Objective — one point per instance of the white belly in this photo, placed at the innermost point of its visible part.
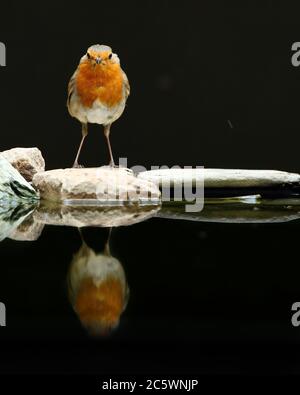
(102, 114)
(98, 113)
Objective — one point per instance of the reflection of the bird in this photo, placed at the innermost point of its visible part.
(97, 284)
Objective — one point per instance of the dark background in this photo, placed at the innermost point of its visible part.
(192, 67)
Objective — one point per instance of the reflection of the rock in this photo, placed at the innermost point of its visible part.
(107, 216)
(97, 284)
(26, 222)
(12, 217)
(237, 210)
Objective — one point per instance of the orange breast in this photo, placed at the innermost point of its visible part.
(102, 304)
(103, 82)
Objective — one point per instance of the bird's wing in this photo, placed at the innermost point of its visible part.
(126, 85)
(71, 89)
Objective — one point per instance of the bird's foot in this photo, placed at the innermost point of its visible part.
(76, 165)
(113, 165)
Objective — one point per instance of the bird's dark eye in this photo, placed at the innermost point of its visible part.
(88, 55)
(110, 56)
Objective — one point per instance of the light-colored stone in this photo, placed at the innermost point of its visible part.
(14, 189)
(105, 216)
(220, 178)
(94, 185)
(28, 161)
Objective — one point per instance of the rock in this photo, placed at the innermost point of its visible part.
(226, 182)
(105, 216)
(221, 178)
(95, 186)
(14, 189)
(28, 161)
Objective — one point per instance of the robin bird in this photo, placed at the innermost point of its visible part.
(97, 92)
(97, 284)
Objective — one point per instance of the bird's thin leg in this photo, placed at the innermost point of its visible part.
(106, 134)
(107, 246)
(84, 132)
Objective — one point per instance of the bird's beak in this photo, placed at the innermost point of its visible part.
(98, 60)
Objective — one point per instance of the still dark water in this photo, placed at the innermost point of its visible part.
(204, 298)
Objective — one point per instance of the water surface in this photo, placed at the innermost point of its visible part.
(203, 293)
